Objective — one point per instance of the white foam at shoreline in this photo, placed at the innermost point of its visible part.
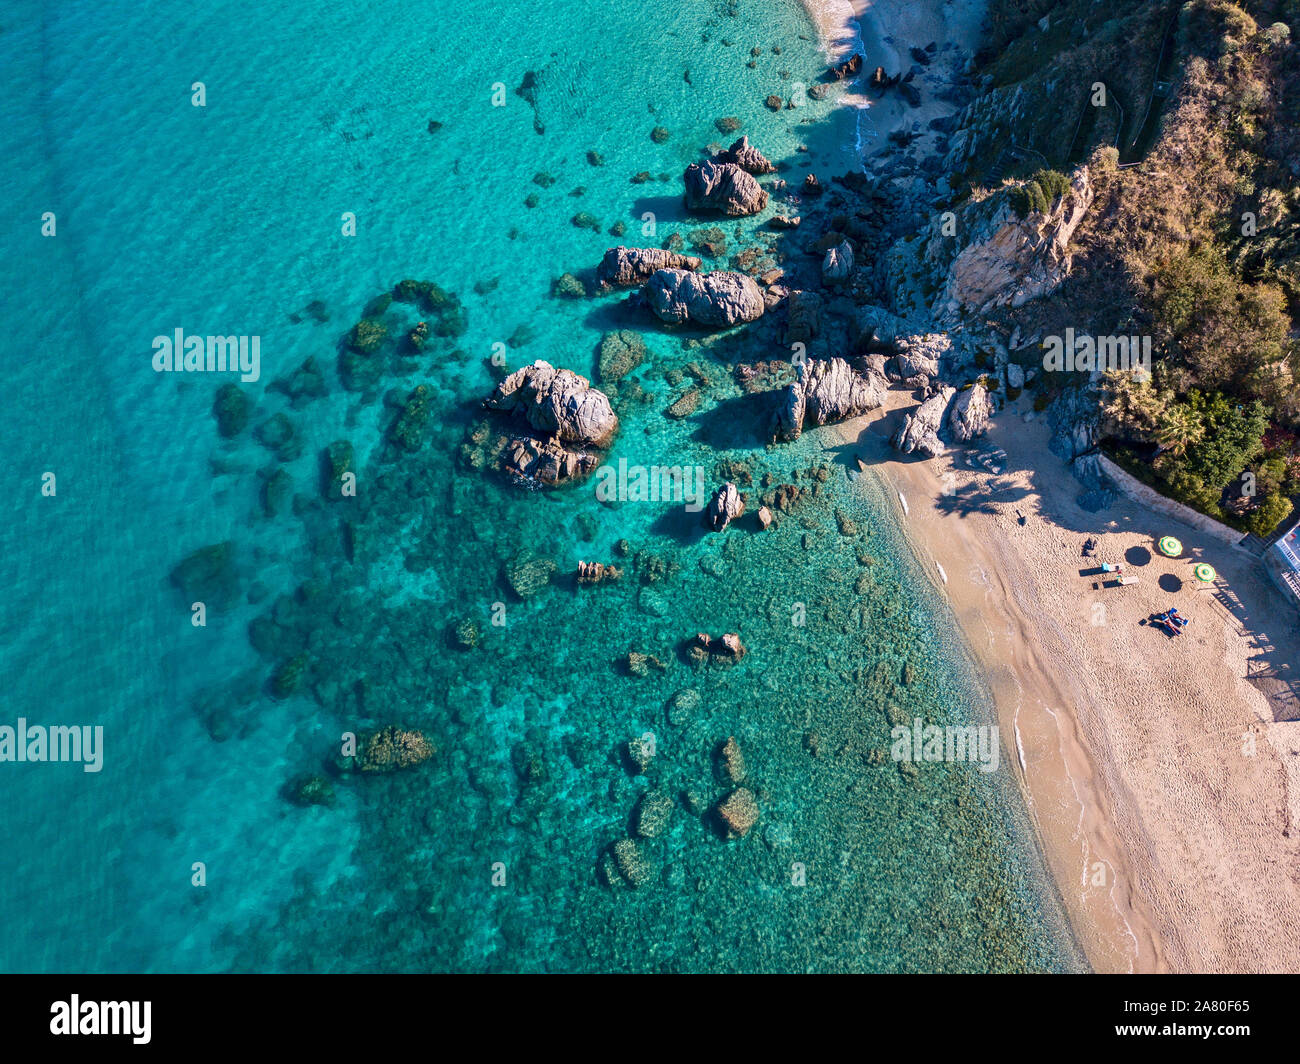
(837, 26)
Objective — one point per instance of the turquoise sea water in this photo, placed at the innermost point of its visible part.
(227, 219)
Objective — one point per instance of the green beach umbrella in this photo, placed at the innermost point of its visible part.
(1204, 572)
(1170, 546)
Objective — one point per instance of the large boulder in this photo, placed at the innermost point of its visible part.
(715, 300)
(723, 187)
(837, 264)
(970, 414)
(623, 267)
(920, 428)
(1005, 258)
(918, 356)
(748, 158)
(725, 506)
(558, 402)
(828, 390)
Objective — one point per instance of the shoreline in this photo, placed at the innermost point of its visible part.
(883, 31)
(1138, 804)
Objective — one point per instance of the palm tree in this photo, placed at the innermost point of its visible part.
(1178, 430)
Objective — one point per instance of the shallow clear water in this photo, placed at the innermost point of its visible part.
(227, 219)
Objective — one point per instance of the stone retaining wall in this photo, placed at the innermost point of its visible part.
(1152, 499)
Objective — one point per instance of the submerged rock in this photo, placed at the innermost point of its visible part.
(632, 863)
(395, 748)
(731, 761)
(640, 752)
(620, 353)
(232, 409)
(738, 812)
(723, 187)
(623, 267)
(527, 573)
(652, 814)
(207, 575)
(715, 300)
(312, 790)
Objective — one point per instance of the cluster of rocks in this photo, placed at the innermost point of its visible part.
(591, 573)
(725, 649)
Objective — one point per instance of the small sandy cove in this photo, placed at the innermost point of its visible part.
(1162, 773)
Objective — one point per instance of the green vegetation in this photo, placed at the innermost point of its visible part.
(1206, 450)
(1040, 192)
(1197, 246)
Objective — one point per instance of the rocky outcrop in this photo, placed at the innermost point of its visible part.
(877, 327)
(837, 264)
(714, 300)
(557, 402)
(747, 157)
(828, 390)
(725, 506)
(920, 429)
(1004, 258)
(558, 414)
(623, 267)
(545, 461)
(723, 187)
(850, 68)
(918, 356)
(725, 649)
(970, 414)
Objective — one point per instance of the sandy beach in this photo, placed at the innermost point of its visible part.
(1162, 774)
(884, 31)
